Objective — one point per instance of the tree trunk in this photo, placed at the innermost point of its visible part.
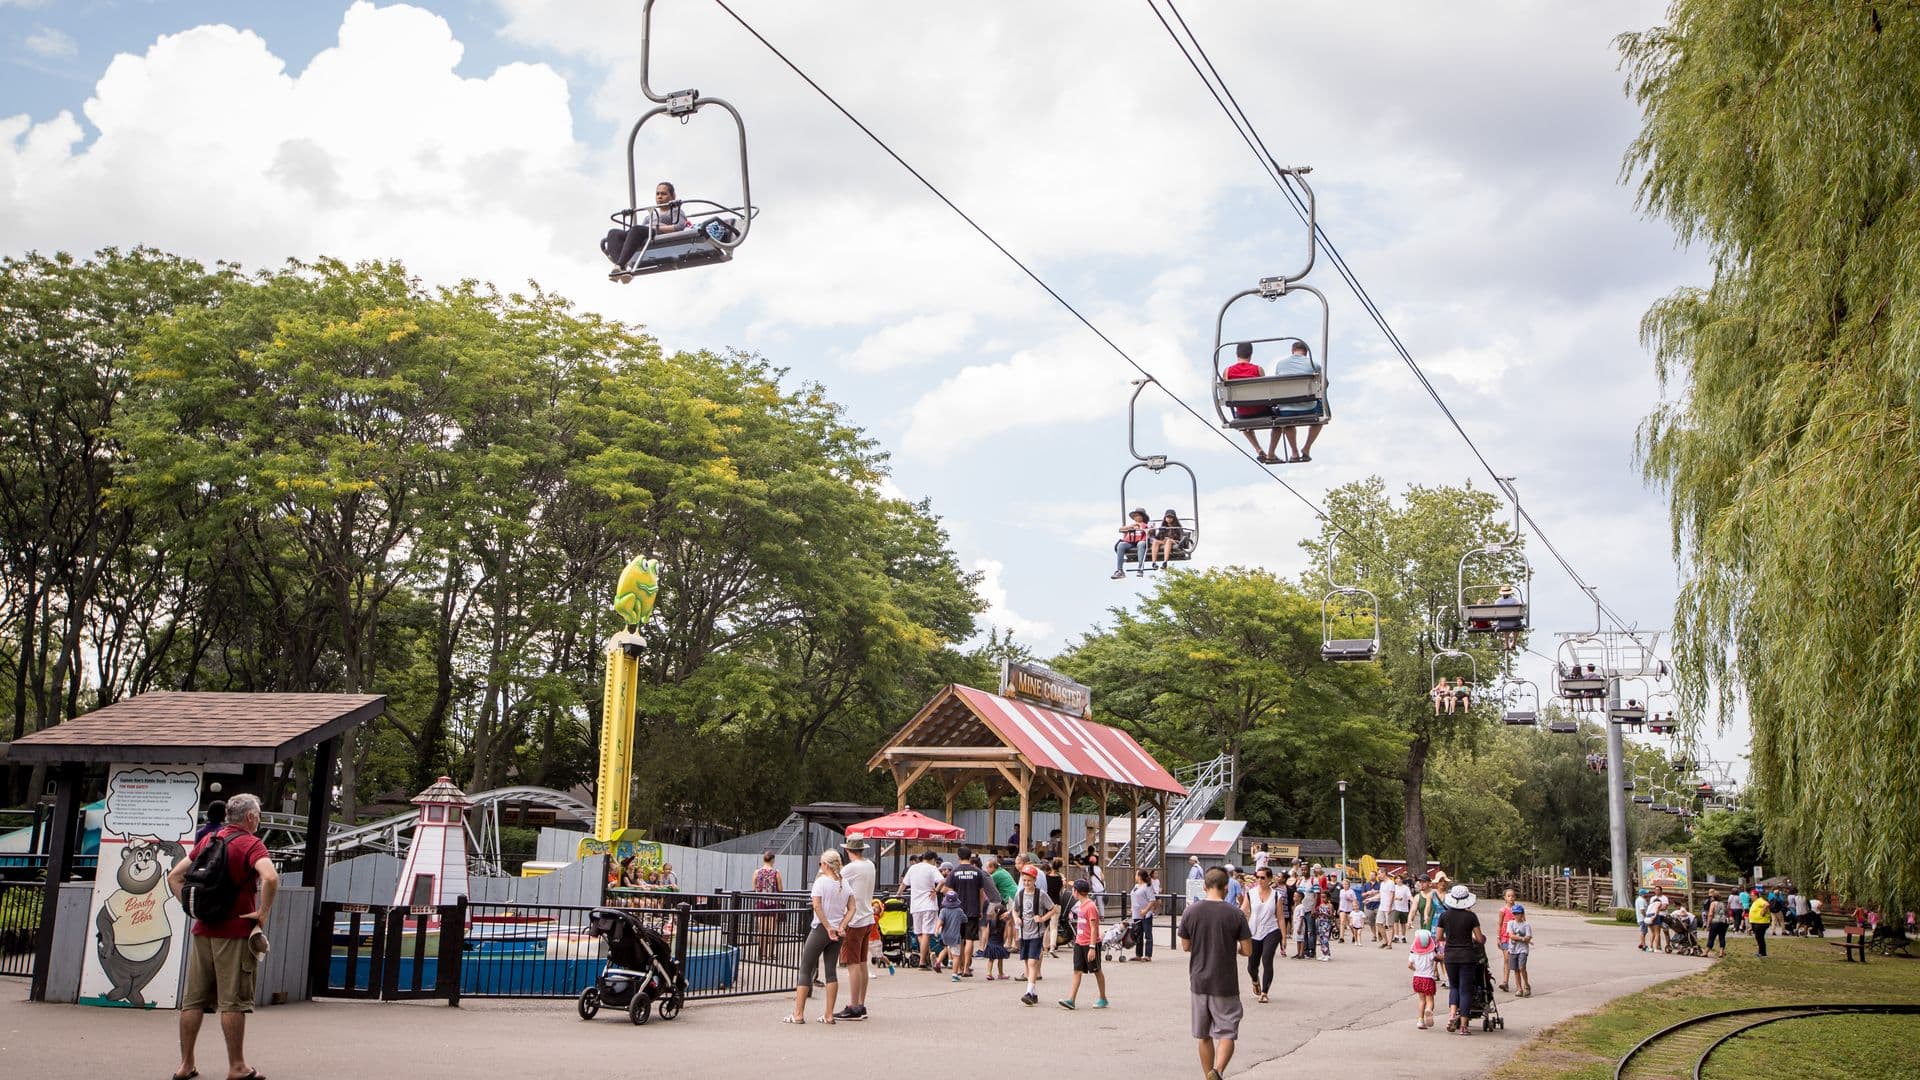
(1414, 815)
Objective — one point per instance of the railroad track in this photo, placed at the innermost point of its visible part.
(1680, 1052)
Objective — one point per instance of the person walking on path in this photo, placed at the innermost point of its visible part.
(1212, 933)
(1086, 946)
(1420, 961)
(1640, 916)
(832, 910)
(1737, 907)
(1519, 948)
(223, 954)
(1402, 906)
(976, 893)
(1033, 913)
(858, 876)
(953, 928)
(1465, 945)
(1506, 962)
(1146, 904)
(1303, 904)
(1265, 908)
(1717, 921)
(1759, 916)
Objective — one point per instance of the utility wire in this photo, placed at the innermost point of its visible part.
(1318, 512)
(1243, 126)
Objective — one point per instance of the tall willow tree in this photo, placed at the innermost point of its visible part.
(1781, 138)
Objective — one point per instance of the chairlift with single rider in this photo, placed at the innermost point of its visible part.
(1347, 650)
(713, 230)
(1189, 539)
(1632, 710)
(1495, 607)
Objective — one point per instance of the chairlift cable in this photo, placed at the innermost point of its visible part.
(1318, 512)
(1251, 136)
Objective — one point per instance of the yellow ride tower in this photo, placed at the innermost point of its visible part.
(633, 600)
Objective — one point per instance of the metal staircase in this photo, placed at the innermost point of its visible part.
(1205, 783)
(787, 835)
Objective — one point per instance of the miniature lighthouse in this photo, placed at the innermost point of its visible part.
(436, 868)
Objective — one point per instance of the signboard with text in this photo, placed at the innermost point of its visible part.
(137, 932)
(1666, 872)
(1036, 685)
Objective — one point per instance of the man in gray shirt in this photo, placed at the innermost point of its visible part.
(1214, 933)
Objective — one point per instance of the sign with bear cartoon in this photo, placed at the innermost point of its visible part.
(138, 939)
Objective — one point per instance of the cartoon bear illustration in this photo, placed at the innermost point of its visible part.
(135, 931)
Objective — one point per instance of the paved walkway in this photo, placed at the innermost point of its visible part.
(1353, 1013)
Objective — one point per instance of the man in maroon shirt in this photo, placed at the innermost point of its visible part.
(222, 959)
(1243, 367)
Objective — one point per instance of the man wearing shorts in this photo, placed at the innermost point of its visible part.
(222, 959)
(968, 882)
(1402, 907)
(858, 877)
(1215, 934)
(922, 886)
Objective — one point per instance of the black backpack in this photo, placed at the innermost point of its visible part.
(209, 892)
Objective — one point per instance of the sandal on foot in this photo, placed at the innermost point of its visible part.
(188, 1075)
(793, 1020)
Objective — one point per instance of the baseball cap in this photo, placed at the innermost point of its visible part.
(1030, 871)
(1519, 909)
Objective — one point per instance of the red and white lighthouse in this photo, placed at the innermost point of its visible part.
(436, 869)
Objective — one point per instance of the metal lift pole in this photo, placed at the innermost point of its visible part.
(1617, 803)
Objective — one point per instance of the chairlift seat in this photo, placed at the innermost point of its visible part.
(1564, 727)
(1492, 615)
(1625, 714)
(1521, 718)
(1582, 686)
(677, 250)
(1349, 650)
(1626, 785)
(1301, 399)
(1643, 800)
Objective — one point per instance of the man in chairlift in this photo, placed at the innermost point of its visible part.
(1508, 627)
(1298, 362)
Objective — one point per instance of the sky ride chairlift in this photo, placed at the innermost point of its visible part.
(1519, 715)
(713, 230)
(1563, 721)
(1433, 669)
(1270, 402)
(1189, 539)
(1633, 711)
(1347, 650)
(1497, 607)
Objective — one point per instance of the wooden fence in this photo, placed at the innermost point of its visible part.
(1589, 892)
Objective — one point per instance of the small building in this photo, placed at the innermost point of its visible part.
(435, 873)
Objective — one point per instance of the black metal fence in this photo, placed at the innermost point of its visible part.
(728, 945)
(19, 925)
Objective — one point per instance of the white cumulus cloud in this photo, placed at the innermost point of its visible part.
(50, 43)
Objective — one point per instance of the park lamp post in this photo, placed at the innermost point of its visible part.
(1342, 785)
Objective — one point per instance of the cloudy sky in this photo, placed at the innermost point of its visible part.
(1466, 157)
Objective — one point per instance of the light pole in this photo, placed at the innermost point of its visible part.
(1342, 785)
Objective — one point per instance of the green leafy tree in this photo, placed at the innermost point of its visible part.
(1228, 661)
(1408, 555)
(1780, 138)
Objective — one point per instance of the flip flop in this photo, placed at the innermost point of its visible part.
(791, 1020)
(185, 1076)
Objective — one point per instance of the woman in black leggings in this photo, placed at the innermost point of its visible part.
(1265, 907)
(832, 911)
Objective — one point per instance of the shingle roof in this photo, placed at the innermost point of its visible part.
(179, 727)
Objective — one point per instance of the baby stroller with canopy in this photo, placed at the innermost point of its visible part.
(895, 926)
(1481, 1005)
(1118, 940)
(1682, 936)
(641, 975)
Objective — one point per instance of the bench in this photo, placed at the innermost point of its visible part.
(1853, 944)
(1301, 400)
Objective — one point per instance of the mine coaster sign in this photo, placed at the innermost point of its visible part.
(1048, 689)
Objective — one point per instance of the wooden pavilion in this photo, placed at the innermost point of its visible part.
(1027, 742)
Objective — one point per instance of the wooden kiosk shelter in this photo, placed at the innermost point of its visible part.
(255, 731)
(1029, 741)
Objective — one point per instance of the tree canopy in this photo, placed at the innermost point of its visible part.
(1780, 138)
(329, 477)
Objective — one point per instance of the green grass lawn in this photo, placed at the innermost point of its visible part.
(1795, 970)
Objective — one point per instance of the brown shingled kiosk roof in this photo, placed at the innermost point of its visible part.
(172, 726)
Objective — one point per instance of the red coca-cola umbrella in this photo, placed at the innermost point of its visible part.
(903, 826)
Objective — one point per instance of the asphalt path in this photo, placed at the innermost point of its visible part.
(1352, 1013)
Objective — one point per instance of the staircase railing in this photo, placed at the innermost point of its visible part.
(1205, 782)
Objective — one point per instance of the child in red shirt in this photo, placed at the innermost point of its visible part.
(1086, 945)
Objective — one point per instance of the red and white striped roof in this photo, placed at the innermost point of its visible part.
(1207, 838)
(1068, 744)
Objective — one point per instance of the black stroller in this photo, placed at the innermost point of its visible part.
(1682, 936)
(640, 976)
(1481, 1005)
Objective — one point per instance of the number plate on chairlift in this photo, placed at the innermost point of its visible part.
(682, 102)
(1156, 462)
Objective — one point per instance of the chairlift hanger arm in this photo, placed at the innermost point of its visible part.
(684, 104)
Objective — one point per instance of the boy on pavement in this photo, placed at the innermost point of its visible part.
(1033, 915)
(1215, 934)
(1519, 947)
(1086, 945)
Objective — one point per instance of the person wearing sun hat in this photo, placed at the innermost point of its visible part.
(1460, 930)
(1420, 961)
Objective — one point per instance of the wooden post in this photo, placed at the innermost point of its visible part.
(1026, 809)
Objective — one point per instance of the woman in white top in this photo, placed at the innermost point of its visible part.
(1265, 906)
(832, 911)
